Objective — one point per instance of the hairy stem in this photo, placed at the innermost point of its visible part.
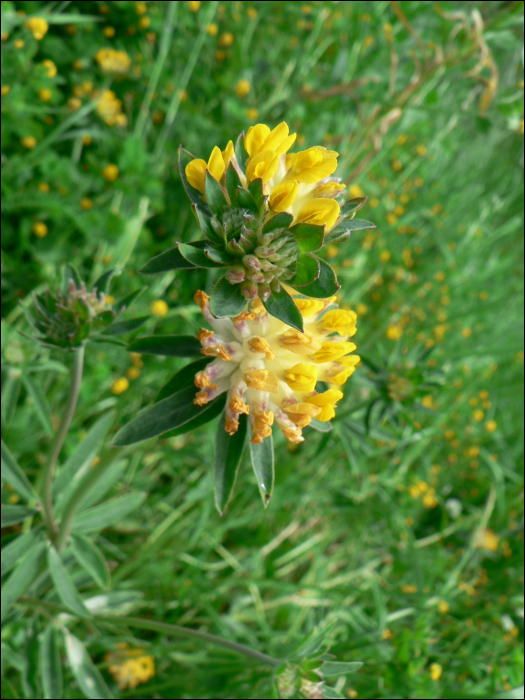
(58, 441)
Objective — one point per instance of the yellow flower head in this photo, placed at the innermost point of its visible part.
(217, 165)
(113, 61)
(109, 108)
(243, 87)
(37, 26)
(119, 386)
(110, 172)
(40, 229)
(159, 308)
(49, 67)
(130, 667)
(270, 370)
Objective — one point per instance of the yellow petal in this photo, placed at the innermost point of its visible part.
(261, 380)
(228, 154)
(303, 409)
(302, 377)
(339, 321)
(309, 307)
(299, 343)
(327, 413)
(283, 196)
(276, 137)
(216, 164)
(331, 351)
(286, 145)
(318, 172)
(320, 212)
(329, 189)
(196, 174)
(332, 396)
(262, 165)
(255, 137)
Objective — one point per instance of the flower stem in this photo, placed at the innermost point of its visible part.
(58, 441)
(179, 631)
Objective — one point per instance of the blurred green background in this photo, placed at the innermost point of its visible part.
(403, 526)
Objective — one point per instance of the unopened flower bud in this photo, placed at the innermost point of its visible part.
(264, 291)
(249, 291)
(255, 276)
(263, 251)
(216, 224)
(236, 275)
(251, 262)
(275, 286)
(267, 266)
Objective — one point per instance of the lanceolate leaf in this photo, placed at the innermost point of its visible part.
(209, 413)
(122, 327)
(281, 305)
(325, 286)
(85, 673)
(345, 228)
(120, 306)
(168, 414)
(90, 559)
(263, 466)
(226, 299)
(49, 665)
(12, 473)
(30, 678)
(204, 223)
(11, 392)
(103, 282)
(352, 205)
(232, 183)
(337, 668)
(40, 403)
(183, 378)
(194, 195)
(196, 256)
(170, 260)
(15, 514)
(240, 153)
(228, 454)
(70, 274)
(14, 552)
(282, 220)
(107, 514)
(22, 577)
(214, 194)
(64, 585)
(256, 189)
(307, 271)
(167, 345)
(309, 237)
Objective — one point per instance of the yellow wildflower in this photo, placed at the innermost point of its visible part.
(487, 539)
(37, 26)
(242, 88)
(226, 39)
(270, 370)
(43, 187)
(44, 94)
(110, 172)
(252, 114)
(113, 61)
(132, 373)
(159, 308)
(86, 204)
(394, 332)
(217, 165)
(18, 43)
(109, 108)
(49, 67)
(109, 32)
(491, 426)
(119, 386)
(40, 229)
(212, 29)
(130, 667)
(28, 142)
(194, 5)
(435, 671)
(5, 90)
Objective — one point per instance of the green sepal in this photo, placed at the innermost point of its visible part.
(240, 153)
(167, 345)
(256, 190)
(70, 274)
(123, 305)
(233, 181)
(218, 255)
(204, 223)
(263, 463)
(246, 200)
(352, 205)
(197, 256)
(282, 306)
(10, 515)
(282, 220)
(104, 281)
(307, 271)
(309, 237)
(103, 319)
(195, 196)
(214, 194)
(170, 260)
(122, 327)
(210, 412)
(183, 378)
(226, 300)
(325, 285)
(344, 229)
(228, 455)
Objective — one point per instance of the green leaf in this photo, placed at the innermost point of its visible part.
(90, 559)
(123, 305)
(281, 305)
(516, 693)
(338, 668)
(282, 220)
(314, 641)
(170, 260)
(309, 237)
(263, 467)
(65, 587)
(204, 223)
(210, 412)
(246, 200)
(86, 674)
(107, 514)
(256, 190)
(22, 577)
(126, 326)
(167, 345)
(197, 256)
(240, 153)
(219, 255)
(329, 692)
(14, 552)
(12, 473)
(70, 274)
(321, 427)
(78, 463)
(214, 194)
(168, 414)
(325, 286)
(344, 229)
(104, 281)
(226, 299)
(352, 205)
(194, 195)
(307, 272)
(183, 379)
(228, 455)
(15, 514)
(232, 183)
(30, 677)
(10, 394)
(40, 404)
(49, 665)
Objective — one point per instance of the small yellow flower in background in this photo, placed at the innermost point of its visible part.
(14, 498)
(421, 150)
(108, 32)
(87, 139)
(220, 55)
(40, 229)
(144, 22)
(252, 114)
(109, 298)
(212, 29)
(133, 373)
(435, 671)
(270, 370)
(5, 90)
(78, 65)
(28, 142)
(182, 95)
(428, 401)
(331, 251)
(159, 308)
(194, 5)
(478, 415)
(74, 104)
(251, 12)
(243, 87)
(113, 61)
(387, 634)
(119, 386)
(487, 539)
(136, 359)
(443, 607)
(361, 309)
(44, 94)
(385, 255)
(43, 187)
(37, 26)
(397, 165)
(491, 426)
(369, 40)
(141, 8)
(130, 667)
(109, 108)
(409, 588)
(394, 332)
(484, 296)
(86, 204)
(49, 67)
(355, 191)
(226, 39)
(110, 172)
(5, 36)
(18, 43)
(466, 332)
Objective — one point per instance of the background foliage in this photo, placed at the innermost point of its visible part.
(400, 532)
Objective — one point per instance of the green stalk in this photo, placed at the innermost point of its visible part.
(58, 441)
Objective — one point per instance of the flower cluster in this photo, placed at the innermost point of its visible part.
(109, 108)
(113, 61)
(130, 667)
(271, 370)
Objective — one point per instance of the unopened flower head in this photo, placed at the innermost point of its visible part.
(270, 371)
